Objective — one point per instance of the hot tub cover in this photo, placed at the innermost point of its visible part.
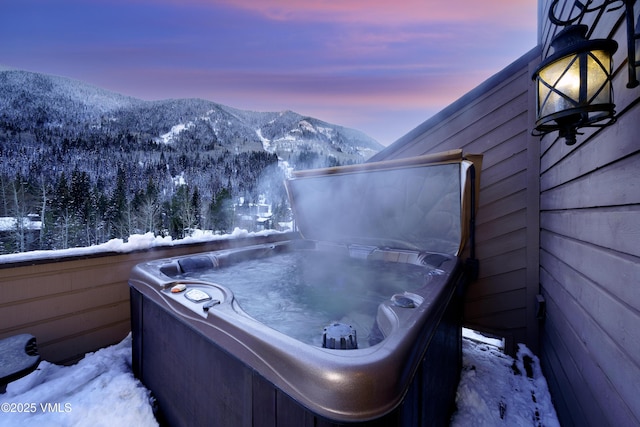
(417, 203)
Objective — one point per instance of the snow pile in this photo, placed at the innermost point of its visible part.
(100, 390)
(497, 390)
(134, 243)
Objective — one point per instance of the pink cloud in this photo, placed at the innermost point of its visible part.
(351, 62)
(265, 91)
(386, 12)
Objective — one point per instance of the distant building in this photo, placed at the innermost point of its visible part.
(19, 232)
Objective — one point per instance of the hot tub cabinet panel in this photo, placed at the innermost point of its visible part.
(225, 368)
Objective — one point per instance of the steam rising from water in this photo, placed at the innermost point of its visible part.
(300, 293)
(414, 207)
(411, 208)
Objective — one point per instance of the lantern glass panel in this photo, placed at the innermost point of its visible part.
(598, 84)
(563, 77)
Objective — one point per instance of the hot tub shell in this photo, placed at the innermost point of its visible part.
(219, 366)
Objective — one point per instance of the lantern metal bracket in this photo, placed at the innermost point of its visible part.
(633, 33)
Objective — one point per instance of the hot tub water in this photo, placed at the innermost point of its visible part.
(300, 293)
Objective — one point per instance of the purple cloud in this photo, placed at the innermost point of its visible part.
(378, 66)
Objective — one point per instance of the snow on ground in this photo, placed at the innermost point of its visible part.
(266, 143)
(168, 137)
(498, 390)
(100, 390)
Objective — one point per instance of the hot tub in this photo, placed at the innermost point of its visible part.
(357, 322)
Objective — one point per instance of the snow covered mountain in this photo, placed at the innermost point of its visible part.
(92, 164)
(31, 101)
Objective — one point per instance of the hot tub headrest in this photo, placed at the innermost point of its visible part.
(195, 263)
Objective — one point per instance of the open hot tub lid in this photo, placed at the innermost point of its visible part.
(416, 203)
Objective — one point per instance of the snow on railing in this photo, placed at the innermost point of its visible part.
(135, 242)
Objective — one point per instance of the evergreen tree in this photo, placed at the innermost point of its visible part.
(61, 198)
(19, 213)
(60, 211)
(148, 209)
(221, 211)
(117, 210)
(46, 219)
(195, 208)
(185, 211)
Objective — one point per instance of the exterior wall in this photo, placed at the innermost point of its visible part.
(77, 305)
(590, 256)
(583, 252)
(494, 120)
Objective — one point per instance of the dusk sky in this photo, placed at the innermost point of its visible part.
(379, 66)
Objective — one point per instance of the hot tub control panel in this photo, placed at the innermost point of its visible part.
(197, 297)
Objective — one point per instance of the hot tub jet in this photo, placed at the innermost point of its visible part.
(339, 336)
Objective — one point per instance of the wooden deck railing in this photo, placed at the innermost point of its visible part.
(76, 305)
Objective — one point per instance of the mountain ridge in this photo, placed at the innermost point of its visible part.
(93, 164)
(49, 100)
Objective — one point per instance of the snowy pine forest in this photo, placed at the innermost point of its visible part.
(80, 165)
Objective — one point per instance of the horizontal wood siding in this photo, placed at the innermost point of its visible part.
(590, 256)
(77, 305)
(494, 120)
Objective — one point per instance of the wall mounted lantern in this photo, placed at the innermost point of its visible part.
(573, 84)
